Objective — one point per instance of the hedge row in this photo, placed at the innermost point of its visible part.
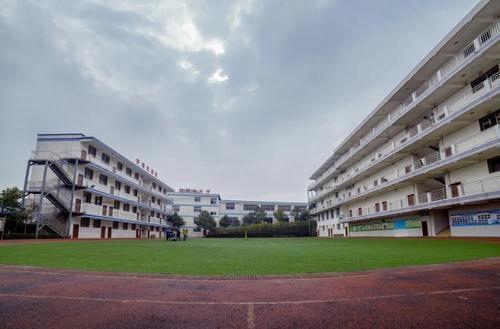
(297, 229)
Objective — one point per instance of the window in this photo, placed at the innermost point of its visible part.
(98, 200)
(475, 84)
(117, 204)
(250, 207)
(87, 197)
(153, 199)
(125, 226)
(97, 223)
(132, 227)
(267, 207)
(115, 225)
(92, 150)
(494, 164)
(134, 209)
(377, 207)
(229, 206)
(197, 199)
(127, 189)
(118, 185)
(103, 179)
(89, 173)
(128, 171)
(175, 208)
(213, 213)
(360, 212)
(119, 166)
(136, 192)
(284, 207)
(384, 205)
(490, 120)
(105, 158)
(197, 208)
(126, 207)
(213, 201)
(85, 222)
(154, 186)
(151, 213)
(136, 176)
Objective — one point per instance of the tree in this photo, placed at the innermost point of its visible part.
(11, 206)
(255, 217)
(9, 200)
(304, 216)
(280, 216)
(205, 221)
(176, 220)
(235, 222)
(250, 219)
(260, 215)
(225, 221)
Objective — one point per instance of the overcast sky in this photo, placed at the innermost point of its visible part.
(246, 98)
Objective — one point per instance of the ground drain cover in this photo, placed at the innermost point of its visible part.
(239, 277)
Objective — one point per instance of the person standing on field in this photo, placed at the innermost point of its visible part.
(184, 234)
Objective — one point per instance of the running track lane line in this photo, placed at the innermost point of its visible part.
(251, 317)
(179, 277)
(250, 304)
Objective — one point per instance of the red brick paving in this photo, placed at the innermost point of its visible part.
(459, 295)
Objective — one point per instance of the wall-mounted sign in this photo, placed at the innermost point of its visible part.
(398, 224)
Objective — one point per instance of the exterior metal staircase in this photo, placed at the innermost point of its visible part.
(61, 174)
(53, 222)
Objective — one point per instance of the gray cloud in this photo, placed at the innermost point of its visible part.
(300, 75)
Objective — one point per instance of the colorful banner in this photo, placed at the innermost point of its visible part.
(398, 224)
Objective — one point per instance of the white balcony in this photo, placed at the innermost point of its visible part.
(437, 159)
(449, 107)
(486, 38)
(469, 192)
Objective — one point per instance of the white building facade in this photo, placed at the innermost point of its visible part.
(189, 203)
(426, 161)
(78, 187)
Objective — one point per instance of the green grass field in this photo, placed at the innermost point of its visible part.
(237, 256)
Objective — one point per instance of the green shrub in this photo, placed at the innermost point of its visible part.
(299, 229)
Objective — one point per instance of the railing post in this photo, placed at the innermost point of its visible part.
(70, 218)
(25, 186)
(40, 202)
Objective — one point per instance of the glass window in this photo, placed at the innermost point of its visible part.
(105, 158)
(89, 173)
(494, 164)
(103, 179)
(119, 166)
(229, 206)
(97, 223)
(85, 222)
(92, 150)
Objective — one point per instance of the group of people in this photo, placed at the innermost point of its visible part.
(177, 234)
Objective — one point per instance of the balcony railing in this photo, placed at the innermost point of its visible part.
(486, 185)
(444, 72)
(448, 107)
(447, 152)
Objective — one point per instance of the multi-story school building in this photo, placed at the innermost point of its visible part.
(189, 203)
(426, 160)
(79, 187)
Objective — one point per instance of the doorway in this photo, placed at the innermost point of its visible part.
(109, 232)
(76, 229)
(425, 231)
(137, 233)
(103, 232)
(346, 231)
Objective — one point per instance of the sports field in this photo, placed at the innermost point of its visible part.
(237, 256)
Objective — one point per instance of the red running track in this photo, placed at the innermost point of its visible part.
(458, 295)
